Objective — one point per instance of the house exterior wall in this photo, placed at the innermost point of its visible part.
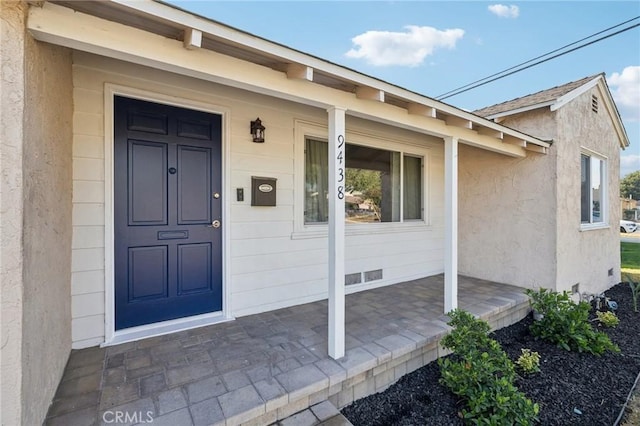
(47, 224)
(11, 208)
(578, 260)
(506, 222)
(273, 260)
(537, 199)
(38, 226)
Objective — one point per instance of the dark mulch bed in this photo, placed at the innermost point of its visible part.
(595, 386)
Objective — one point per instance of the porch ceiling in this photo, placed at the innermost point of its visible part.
(151, 33)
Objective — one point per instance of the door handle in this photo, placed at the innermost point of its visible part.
(214, 224)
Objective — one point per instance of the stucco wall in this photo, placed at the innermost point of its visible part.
(586, 256)
(11, 136)
(537, 200)
(506, 221)
(47, 224)
(271, 263)
(38, 225)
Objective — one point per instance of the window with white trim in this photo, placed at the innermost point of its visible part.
(593, 201)
(381, 185)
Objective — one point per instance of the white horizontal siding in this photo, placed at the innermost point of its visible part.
(268, 261)
(88, 146)
(85, 328)
(264, 229)
(87, 273)
(90, 124)
(290, 294)
(88, 237)
(83, 282)
(90, 259)
(267, 268)
(88, 191)
(88, 304)
(85, 214)
(246, 213)
(88, 169)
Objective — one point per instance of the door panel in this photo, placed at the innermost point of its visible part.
(194, 267)
(194, 188)
(194, 129)
(148, 122)
(147, 273)
(147, 183)
(168, 257)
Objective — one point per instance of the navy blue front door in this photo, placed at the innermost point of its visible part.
(167, 185)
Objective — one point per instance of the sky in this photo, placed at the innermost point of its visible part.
(432, 47)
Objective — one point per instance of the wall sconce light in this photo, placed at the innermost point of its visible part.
(257, 131)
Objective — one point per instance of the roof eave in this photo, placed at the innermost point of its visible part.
(519, 110)
(563, 100)
(177, 18)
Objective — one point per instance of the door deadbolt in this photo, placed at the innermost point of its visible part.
(216, 195)
(215, 224)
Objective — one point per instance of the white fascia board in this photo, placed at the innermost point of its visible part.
(614, 114)
(183, 18)
(568, 97)
(519, 110)
(609, 103)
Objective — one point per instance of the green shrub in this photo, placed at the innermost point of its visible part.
(608, 318)
(529, 362)
(481, 373)
(566, 323)
(545, 299)
(635, 291)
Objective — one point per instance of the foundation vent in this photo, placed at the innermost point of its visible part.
(356, 277)
(594, 103)
(575, 289)
(373, 275)
(610, 272)
(351, 279)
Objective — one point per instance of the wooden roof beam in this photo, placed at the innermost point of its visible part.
(299, 72)
(192, 39)
(458, 122)
(490, 132)
(419, 109)
(535, 148)
(514, 141)
(370, 94)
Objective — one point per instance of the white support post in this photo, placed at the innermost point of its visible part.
(337, 177)
(450, 223)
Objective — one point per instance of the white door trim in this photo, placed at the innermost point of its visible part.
(112, 336)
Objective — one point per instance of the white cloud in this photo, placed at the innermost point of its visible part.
(629, 163)
(409, 48)
(504, 11)
(625, 88)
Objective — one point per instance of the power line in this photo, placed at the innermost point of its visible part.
(541, 56)
(505, 73)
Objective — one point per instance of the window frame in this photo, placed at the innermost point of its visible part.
(308, 130)
(604, 206)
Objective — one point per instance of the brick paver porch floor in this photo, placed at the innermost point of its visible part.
(234, 372)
